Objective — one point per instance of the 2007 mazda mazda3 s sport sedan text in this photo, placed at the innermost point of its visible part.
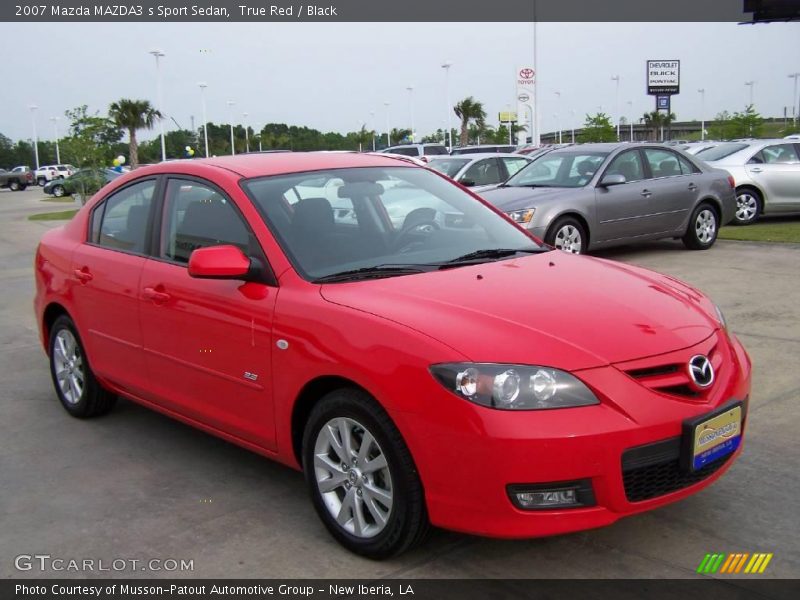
(421, 358)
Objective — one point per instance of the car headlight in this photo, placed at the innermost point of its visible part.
(721, 318)
(522, 216)
(514, 387)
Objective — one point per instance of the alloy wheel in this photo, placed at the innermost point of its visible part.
(568, 239)
(69, 366)
(353, 478)
(746, 206)
(58, 191)
(706, 226)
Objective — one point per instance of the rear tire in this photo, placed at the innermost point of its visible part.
(749, 205)
(58, 191)
(703, 228)
(76, 387)
(361, 476)
(41, 181)
(13, 186)
(568, 234)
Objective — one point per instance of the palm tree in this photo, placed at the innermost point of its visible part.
(469, 110)
(133, 115)
(656, 119)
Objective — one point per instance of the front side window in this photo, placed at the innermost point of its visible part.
(448, 166)
(198, 216)
(406, 218)
(482, 172)
(780, 154)
(628, 164)
(434, 150)
(120, 221)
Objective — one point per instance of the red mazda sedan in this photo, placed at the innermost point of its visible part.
(418, 356)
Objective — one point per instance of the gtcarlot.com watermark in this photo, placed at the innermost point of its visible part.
(47, 562)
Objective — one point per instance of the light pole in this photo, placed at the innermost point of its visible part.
(536, 138)
(202, 85)
(55, 132)
(246, 133)
(159, 54)
(372, 125)
(616, 116)
(558, 122)
(572, 125)
(702, 92)
(388, 131)
(794, 103)
(231, 104)
(411, 110)
(446, 66)
(751, 85)
(33, 108)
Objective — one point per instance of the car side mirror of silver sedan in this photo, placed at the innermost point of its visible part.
(612, 179)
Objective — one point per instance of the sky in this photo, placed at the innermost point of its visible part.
(332, 76)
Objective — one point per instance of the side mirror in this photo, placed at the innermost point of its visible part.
(219, 262)
(467, 182)
(612, 179)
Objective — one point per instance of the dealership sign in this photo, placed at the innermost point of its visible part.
(663, 77)
(526, 79)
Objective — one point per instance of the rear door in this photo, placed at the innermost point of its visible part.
(776, 169)
(107, 269)
(207, 342)
(674, 184)
(624, 211)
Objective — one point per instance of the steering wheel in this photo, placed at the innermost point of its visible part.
(415, 234)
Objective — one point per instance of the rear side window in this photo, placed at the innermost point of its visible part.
(197, 216)
(779, 154)
(120, 221)
(663, 163)
(514, 164)
(406, 151)
(434, 150)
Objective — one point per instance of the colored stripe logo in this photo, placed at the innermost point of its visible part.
(731, 564)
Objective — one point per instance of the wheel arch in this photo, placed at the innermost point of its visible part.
(53, 311)
(578, 217)
(752, 186)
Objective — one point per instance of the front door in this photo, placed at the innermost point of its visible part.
(624, 210)
(207, 342)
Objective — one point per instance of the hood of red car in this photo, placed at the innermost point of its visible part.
(553, 309)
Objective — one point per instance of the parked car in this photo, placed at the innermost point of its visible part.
(49, 172)
(766, 173)
(82, 184)
(450, 371)
(421, 152)
(483, 149)
(479, 171)
(696, 148)
(14, 180)
(598, 195)
(27, 171)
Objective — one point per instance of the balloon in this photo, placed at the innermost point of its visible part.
(115, 162)
(189, 149)
(121, 159)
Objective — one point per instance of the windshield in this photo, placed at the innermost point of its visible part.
(566, 169)
(448, 166)
(335, 221)
(719, 152)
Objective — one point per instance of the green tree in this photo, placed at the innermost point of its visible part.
(747, 123)
(721, 128)
(92, 139)
(469, 110)
(133, 115)
(598, 128)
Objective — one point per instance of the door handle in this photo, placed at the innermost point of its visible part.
(756, 169)
(156, 296)
(647, 193)
(692, 187)
(83, 275)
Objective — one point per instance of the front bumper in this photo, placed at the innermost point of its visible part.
(467, 455)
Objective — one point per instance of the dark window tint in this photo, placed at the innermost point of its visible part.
(720, 152)
(483, 172)
(123, 218)
(404, 151)
(628, 164)
(197, 216)
(434, 150)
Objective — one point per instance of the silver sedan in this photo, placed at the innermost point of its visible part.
(477, 171)
(598, 195)
(766, 172)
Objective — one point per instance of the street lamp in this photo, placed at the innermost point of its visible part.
(751, 85)
(246, 133)
(794, 103)
(702, 92)
(616, 116)
(159, 54)
(388, 131)
(231, 104)
(446, 66)
(558, 122)
(203, 87)
(33, 108)
(572, 125)
(55, 131)
(630, 113)
(372, 125)
(411, 109)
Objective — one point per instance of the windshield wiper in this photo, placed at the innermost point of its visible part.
(368, 272)
(493, 253)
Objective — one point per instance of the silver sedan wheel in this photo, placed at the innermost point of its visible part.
(568, 239)
(58, 191)
(706, 226)
(353, 477)
(746, 206)
(69, 366)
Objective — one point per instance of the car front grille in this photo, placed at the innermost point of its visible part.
(654, 470)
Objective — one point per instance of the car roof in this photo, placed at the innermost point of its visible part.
(477, 156)
(262, 165)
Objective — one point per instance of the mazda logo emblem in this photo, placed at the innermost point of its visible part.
(701, 371)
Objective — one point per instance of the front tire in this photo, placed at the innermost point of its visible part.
(749, 205)
(76, 387)
(567, 234)
(13, 186)
(58, 191)
(361, 477)
(41, 181)
(703, 228)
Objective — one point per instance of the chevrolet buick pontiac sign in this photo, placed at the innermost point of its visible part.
(663, 77)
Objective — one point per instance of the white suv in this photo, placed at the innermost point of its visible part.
(49, 172)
